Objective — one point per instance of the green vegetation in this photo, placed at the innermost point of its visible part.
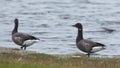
(12, 60)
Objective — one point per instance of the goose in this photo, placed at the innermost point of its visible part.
(85, 45)
(22, 39)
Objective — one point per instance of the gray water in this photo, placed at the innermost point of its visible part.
(51, 20)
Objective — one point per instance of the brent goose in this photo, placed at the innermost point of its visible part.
(22, 39)
(84, 45)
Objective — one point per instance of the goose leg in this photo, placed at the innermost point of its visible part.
(88, 54)
(22, 47)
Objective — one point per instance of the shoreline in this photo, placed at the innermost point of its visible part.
(15, 51)
(17, 58)
(26, 52)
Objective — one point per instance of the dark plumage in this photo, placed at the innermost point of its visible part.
(22, 39)
(84, 45)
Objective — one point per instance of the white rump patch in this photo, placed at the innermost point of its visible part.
(29, 42)
(97, 48)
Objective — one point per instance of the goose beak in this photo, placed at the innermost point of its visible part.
(73, 26)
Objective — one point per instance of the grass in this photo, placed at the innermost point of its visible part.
(12, 60)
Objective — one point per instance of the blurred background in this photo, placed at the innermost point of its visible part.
(51, 20)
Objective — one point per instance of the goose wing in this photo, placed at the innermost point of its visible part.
(19, 38)
(90, 46)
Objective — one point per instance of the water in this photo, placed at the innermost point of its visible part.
(51, 21)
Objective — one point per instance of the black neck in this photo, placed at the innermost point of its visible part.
(80, 35)
(15, 28)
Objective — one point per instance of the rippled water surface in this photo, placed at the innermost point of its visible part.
(51, 21)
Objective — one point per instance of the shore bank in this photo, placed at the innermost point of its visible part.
(16, 58)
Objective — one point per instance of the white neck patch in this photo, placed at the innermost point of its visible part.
(80, 29)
